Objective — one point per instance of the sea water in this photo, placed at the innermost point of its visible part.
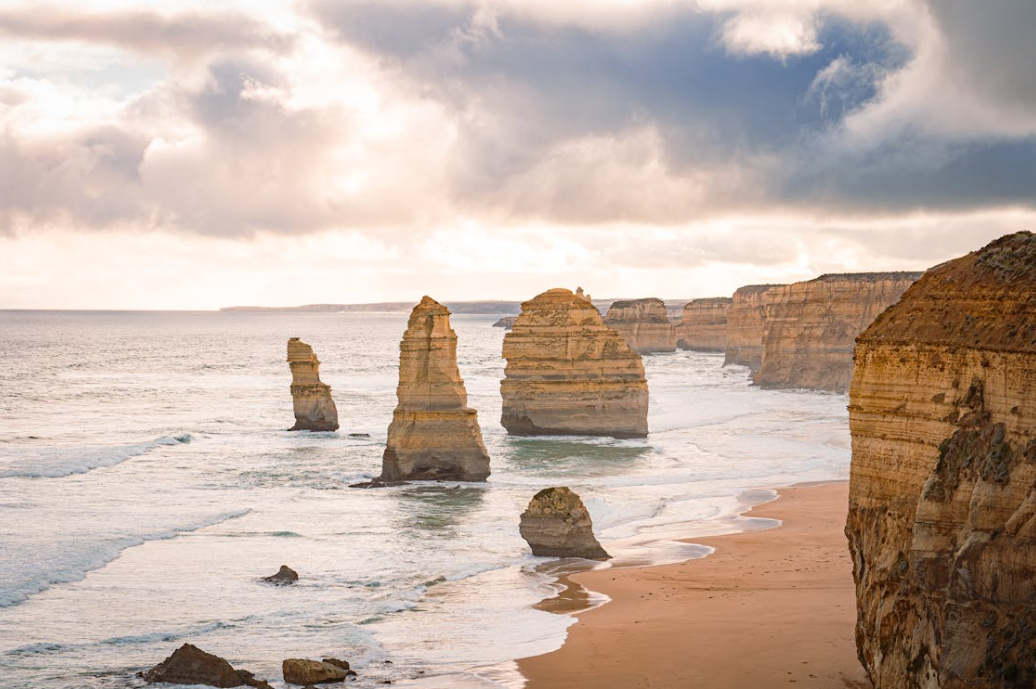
(147, 482)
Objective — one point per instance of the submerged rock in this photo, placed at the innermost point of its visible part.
(569, 374)
(191, 665)
(703, 325)
(303, 671)
(644, 323)
(556, 524)
(942, 494)
(314, 408)
(434, 435)
(284, 576)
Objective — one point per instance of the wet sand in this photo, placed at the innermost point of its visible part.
(769, 608)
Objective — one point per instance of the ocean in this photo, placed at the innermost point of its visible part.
(147, 482)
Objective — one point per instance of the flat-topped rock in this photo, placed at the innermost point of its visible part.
(314, 408)
(568, 373)
(644, 323)
(746, 321)
(434, 435)
(557, 524)
(703, 325)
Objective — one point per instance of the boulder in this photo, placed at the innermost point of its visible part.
(556, 524)
(284, 576)
(191, 665)
(314, 408)
(302, 671)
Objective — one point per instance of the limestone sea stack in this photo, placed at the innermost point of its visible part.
(746, 321)
(433, 434)
(557, 524)
(568, 373)
(811, 327)
(314, 408)
(644, 323)
(942, 494)
(703, 325)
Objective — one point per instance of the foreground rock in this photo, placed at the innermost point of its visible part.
(746, 320)
(303, 671)
(703, 325)
(191, 665)
(644, 324)
(556, 524)
(284, 576)
(942, 504)
(569, 374)
(433, 434)
(314, 408)
(811, 327)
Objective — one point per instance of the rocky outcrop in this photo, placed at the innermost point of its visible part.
(556, 524)
(644, 324)
(569, 374)
(746, 320)
(314, 408)
(304, 672)
(703, 325)
(433, 434)
(942, 512)
(191, 665)
(285, 576)
(507, 322)
(811, 327)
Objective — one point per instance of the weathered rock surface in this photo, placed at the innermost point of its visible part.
(507, 322)
(942, 513)
(191, 665)
(703, 325)
(746, 319)
(811, 327)
(569, 374)
(314, 408)
(556, 524)
(644, 324)
(303, 671)
(284, 576)
(434, 435)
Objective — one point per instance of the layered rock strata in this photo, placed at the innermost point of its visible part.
(434, 435)
(314, 408)
(557, 524)
(942, 499)
(746, 319)
(568, 373)
(644, 324)
(703, 325)
(811, 327)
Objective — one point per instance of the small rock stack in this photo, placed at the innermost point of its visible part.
(314, 408)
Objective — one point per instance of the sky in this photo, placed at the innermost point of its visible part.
(207, 153)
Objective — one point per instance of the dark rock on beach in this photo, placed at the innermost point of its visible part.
(191, 665)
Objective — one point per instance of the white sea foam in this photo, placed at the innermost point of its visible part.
(29, 462)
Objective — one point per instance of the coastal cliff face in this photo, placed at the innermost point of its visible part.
(942, 511)
(314, 408)
(703, 325)
(433, 434)
(644, 324)
(811, 327)
(746, 319)
(569, 374)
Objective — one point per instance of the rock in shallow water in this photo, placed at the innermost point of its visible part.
(191, 665)
(284, 576)
(314, 408)
(557, 524)
(303, 671)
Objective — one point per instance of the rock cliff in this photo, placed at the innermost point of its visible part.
(644, 324)
(703, 325)
(557, 524)
(942, 511)
(314, 408)
(746, 318)
(433, 434)
(568, 373)
(811, 327)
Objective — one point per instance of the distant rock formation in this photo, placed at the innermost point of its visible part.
(942, 496)
(644, 324)
(314, 408)
(569, 374)
(507, 322)
(703, 325)
(746, 320)
(811, 327)
(556, 524)
(433, 434)
(304, 672)
(191, 665)
(285, 576)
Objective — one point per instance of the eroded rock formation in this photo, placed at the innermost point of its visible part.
(507, 322)
(285, 576)
(811, 327)
(644, 324)
(557, 524)
(303, 671)
(942, 513)
(433, 434)
(191, 665)
(746, 320)
(569, 374)
(703, 325)
(314, 408)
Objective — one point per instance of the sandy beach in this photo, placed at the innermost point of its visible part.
(768, 608)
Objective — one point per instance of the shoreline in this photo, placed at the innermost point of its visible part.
(773, 605)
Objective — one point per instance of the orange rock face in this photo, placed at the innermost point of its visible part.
(746, 320)
(644, 324)
(703, 325)
(569, 374)
(311, 399)
(810, 327)
(942, 513)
